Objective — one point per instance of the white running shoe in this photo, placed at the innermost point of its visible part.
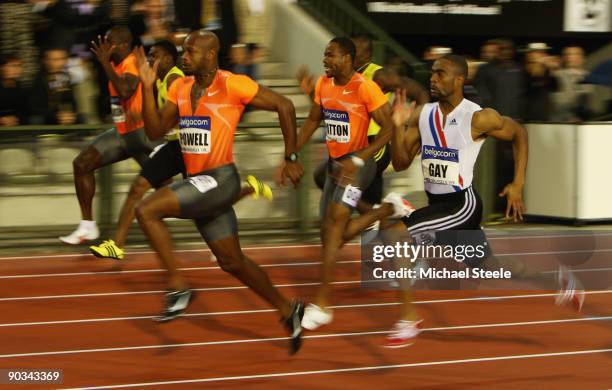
(570, 290)
(314, 317)
(403, 333)
(86, 231)
(402, 208)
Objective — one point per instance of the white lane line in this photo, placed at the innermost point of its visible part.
(248, 248)
(123, 293)
(161, 291)
(297, 264)
(517, 237)
(136, 271)
(256, 311)
(321, 336)
(356, 369)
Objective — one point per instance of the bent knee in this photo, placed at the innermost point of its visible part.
(231, 264)
(139, 187)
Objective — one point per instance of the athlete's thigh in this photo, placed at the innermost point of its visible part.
(138, 146)
(218, 227)
(110, 147)
(163, 202)
(209, 194)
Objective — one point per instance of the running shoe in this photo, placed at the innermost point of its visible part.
(260, 188)
(315, 316)
(570, 291)
(403, 333)
(176, 303)
(86, 231)
(402, 208)
(294, 326)
(108, 250)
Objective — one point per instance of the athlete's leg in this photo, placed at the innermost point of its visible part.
(233, 261)
(84, 166)
(150, 213)
(139, 188)
(334, 227)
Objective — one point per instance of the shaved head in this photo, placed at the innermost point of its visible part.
(200, 52)
(119, 35)
(206, 40)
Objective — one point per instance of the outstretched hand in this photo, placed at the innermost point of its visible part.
(514, 196)
(147, 75)
(306, 80)
(102, 49)
(401, 112)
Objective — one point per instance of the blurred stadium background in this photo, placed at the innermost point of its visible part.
(545, 63)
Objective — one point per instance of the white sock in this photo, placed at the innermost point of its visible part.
(89, 225)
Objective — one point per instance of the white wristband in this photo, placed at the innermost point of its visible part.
(358, 161)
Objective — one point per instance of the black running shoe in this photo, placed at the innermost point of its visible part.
(294, 326)
(176, 303)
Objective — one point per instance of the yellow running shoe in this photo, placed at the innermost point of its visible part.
(259, 187)
(108, 250)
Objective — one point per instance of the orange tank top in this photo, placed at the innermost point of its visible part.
(346, 112)
(127, 114)
(206, 134)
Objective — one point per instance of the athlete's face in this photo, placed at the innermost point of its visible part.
(362, 52)
(119, 47)
(195, 55)
(157, 54)
(444, 79)
(334, 59)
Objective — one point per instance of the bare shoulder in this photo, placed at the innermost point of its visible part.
(486, 120)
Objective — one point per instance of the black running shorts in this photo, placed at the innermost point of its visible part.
(166, 162)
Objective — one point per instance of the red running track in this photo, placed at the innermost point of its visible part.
(91, 318)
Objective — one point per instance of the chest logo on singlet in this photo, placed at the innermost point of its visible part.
(194, 134)
(338, 126)
(440, 165)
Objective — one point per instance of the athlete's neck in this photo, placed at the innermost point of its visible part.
(344, 78)
(448, 104)
(206, 77)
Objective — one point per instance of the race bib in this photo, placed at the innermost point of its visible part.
(351, 195)
(117, 110)
(194, 134)
(338, 126)
(203, 183)
(440, 165)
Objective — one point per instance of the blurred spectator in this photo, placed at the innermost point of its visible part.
(252, 19)
(540, 82)
(469, 91)
(572, 97)
(500, 84)
(489, 51)
(17, 36)
(218, 17)
(52, 99)
(13, 97)
(152, 20)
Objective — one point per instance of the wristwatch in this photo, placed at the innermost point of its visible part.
(291, 157)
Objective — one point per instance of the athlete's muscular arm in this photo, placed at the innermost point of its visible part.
(125, 85)
(311, 124)
(157, 123)
(489, 122)
(267, 99)
(389, 81)
(382, 116)
(406, 139)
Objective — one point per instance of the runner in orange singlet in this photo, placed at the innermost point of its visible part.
(127, 139)
(207, 107)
